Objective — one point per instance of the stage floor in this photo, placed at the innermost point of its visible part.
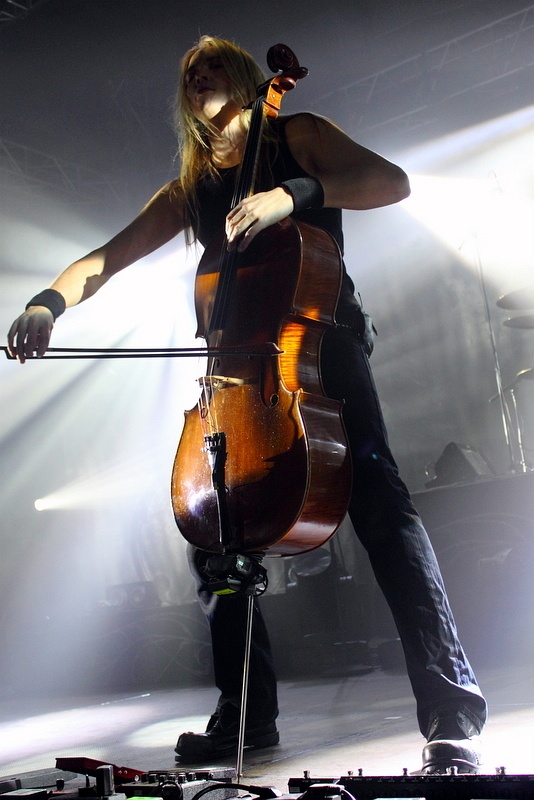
(327, 727)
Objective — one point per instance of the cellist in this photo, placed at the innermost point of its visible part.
(311, 170)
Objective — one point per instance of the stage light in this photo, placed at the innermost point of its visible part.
(472, 190)
(448, 206)
(121, 479)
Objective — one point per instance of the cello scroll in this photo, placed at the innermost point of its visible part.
(282, 59)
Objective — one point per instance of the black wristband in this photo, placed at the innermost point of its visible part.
(50, 299)
(306, 192)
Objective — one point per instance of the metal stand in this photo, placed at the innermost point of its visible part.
(522, 464)
(239, 574)
(519, 433)
(233, 573)
(244, 688)
(496, 364)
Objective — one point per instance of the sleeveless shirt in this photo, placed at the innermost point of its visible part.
(276, 164)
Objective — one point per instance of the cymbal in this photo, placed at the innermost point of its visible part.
(519, 300)
(525, 321)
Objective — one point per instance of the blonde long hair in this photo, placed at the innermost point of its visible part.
(245, 76)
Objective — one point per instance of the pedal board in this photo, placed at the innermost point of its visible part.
(112, 782)
(429, 787)
(181, 785)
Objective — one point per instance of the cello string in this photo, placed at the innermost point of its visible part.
(243, 188)
(227, 271)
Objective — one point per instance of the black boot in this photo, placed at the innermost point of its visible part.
(453, 744)
(221, 737)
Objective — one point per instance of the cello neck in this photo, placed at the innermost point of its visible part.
(247, 172)
(266, 104)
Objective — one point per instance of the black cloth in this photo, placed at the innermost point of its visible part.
(384, 519)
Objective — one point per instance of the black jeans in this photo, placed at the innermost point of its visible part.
(401, 556)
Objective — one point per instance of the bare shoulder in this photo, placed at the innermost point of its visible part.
(306, 131)
(314, 141)
(308, 124)
(168, 203)
(171, 194)
(173, 189)
(162, 218)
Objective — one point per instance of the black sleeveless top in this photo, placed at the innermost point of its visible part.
(276, 165)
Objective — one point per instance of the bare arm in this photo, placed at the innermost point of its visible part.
(160, 220)
(352, 177)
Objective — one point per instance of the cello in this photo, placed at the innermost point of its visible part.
(262, 465)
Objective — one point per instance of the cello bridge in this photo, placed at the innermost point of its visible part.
(221, 381)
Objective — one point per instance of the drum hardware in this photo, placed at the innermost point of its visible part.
(524, 374)
(526, 322)
(518, 300)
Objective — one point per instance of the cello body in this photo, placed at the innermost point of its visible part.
(285, 466)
